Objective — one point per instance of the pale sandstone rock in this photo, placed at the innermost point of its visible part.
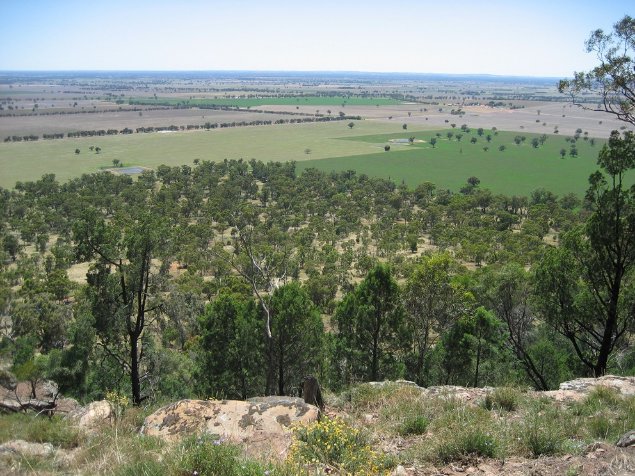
(575, 390)
(94, 415)
(26, 448)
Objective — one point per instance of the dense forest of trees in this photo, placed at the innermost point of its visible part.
(239, 278)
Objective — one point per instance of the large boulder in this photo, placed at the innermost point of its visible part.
(93, 416)
(262, 425)
(575, 390)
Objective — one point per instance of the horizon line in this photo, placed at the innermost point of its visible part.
(412, 73)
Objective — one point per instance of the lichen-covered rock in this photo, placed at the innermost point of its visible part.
(263, 425)
(575, 390)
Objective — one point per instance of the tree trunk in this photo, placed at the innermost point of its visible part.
(281, 375)
(374, 369)
(478, 363)
(134, 369)
(609, 330)
(311, 392)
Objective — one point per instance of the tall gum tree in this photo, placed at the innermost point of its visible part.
(612, 81)
(124, 280)
(585, 287)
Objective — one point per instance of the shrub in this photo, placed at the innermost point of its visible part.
(600, 426)
(463, 432)
(467, 443)
(414, 425)
(208, 455)
(502, 398)
(541, 435)
(334, 443)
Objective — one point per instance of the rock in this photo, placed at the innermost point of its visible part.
(65, 406)
(28, 449)
(16, 397)
(464, 394)
(575, 390)
(93, 415)
(400, 471)
(261, 424)
(627, 439)
(401, 383)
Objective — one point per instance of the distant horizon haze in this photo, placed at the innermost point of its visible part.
(538, 39)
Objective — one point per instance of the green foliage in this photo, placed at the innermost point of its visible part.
(584, 288)
(472, 340)
(297, 339)
(230, 349)
(414, 425)
(334, 443)
(207, 455)
(432, 302)
(57, 430)
(502, 398)
(612, 79)
(542, 434)
(369, 321)
(464, 433)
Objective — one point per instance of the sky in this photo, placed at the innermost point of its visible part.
(519, 38)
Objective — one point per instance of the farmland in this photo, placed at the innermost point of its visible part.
(276, 101)
(389, 107)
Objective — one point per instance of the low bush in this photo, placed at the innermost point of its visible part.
(333, 443)
(208, 455)
(414, 425)
(467, 443)
(502, 398)
(542, 435)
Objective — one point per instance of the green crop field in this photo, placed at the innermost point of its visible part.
(518, 169)
(274, 101)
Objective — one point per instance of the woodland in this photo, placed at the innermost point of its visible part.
(238, 278)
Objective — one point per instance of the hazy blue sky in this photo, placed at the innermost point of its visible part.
(535, 38)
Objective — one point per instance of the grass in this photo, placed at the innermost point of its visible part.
(517, 170)
(502, 398)
(436, 430)
(57, 431)
(22, 161)
(334, 101)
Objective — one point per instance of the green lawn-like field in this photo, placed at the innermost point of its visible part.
(22, 161)
(274, 101)
(517, 170)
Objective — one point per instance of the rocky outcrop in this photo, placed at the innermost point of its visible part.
(465, 394)
(263, 424)
(575, 390)
(17, 397)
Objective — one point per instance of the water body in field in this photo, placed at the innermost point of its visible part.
(130, 170)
